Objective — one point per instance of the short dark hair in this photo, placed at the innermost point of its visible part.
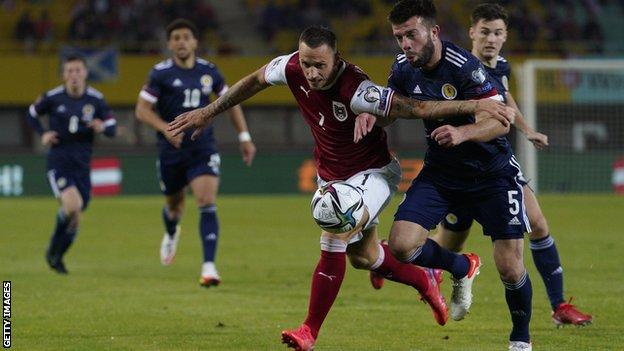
(181, 23)
(75, 57)
(489, 12)
(406, 9)
(316, 36)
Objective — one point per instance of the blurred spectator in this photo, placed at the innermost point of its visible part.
(592, 34)
(25, 32)
(25, 28)
(44, 27)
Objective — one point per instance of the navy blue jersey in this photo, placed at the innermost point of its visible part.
(459, 75)
(175, 90)
(499, 76)
(70, 118)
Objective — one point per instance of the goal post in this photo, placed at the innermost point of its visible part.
(579, 104)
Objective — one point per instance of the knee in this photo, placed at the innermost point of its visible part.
(204, 200)
(401, 249)
(512, 273)
(539, 228)
(72, 209)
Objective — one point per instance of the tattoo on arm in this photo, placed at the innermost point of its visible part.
(239, 92)
(407, 108)
(433, 109)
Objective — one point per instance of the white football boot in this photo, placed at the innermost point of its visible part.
(168, 247)
(209, 276)
(461, 299)
(520, 346)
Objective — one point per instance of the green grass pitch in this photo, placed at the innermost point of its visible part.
(119, 297)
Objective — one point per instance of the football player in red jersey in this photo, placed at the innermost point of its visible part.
(330, 93)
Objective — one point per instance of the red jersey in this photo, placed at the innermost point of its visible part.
(329, 113)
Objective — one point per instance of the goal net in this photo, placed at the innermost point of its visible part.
(579, 104)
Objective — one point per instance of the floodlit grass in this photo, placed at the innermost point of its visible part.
(118, 296)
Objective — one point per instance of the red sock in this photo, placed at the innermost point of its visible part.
(326, 283)
(400, 272)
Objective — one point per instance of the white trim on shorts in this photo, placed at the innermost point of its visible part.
(514, 163)
(53, 185)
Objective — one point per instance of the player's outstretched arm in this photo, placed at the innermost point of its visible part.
(408, 108)
(538, 139)
(239, 92)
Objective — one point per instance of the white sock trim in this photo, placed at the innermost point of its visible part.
(333, 245)
(380, 258)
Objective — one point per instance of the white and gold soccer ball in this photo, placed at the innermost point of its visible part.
(337, 207)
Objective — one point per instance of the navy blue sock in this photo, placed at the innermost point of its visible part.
(170, 224)
(518, 296)
(209, 231)
(67, 241)
(58, 234)
(433, 255)
(547, 262)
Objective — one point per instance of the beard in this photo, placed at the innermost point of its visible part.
(425, 55)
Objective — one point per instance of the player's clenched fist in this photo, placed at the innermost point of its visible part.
(448, 136)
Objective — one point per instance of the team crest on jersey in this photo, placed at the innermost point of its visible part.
(449, 91)
(61, 109)
(340, 111)
(206, 82)
(478, 75)
(87, 112)
(505, 82)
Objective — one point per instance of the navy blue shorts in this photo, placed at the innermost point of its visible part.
(61, 178)
(496, 203)
(459, 220)
(177, 168)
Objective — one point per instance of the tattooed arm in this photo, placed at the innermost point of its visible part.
(407, 108)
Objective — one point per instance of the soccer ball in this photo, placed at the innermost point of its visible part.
(337, 207)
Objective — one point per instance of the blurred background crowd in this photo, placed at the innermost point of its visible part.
(560, 28)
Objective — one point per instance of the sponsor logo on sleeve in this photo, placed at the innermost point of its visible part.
(478, 75)
(372, 94)
(383, 101)
(484, 88)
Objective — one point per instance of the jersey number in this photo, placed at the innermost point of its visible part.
(191, 98)
(514, 209)
(73, 124)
